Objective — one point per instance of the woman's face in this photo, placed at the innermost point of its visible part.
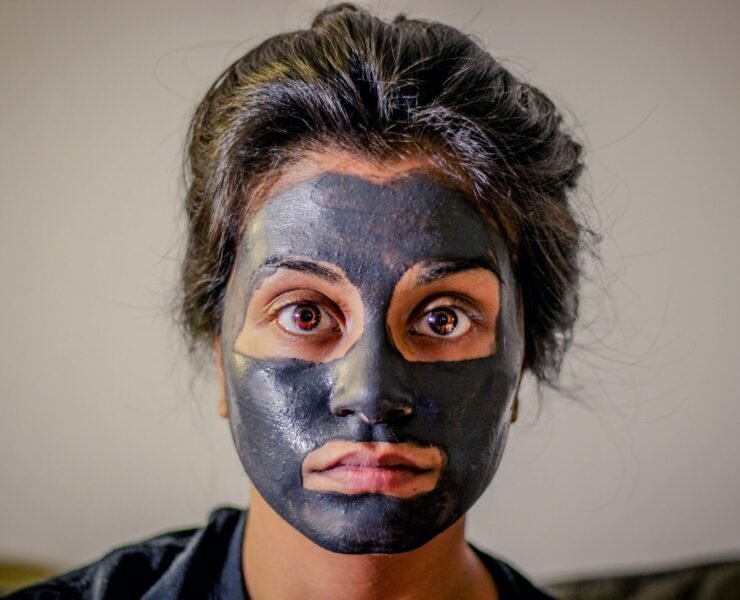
(372, 347)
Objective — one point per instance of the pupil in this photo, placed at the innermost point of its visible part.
(306, 317)
(442, 322)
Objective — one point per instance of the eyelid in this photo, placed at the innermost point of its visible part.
(302, 296)
(471, 310)
(327, 325)
(439, 272)
(463, 325)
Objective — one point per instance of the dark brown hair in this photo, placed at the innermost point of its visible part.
(384, 90)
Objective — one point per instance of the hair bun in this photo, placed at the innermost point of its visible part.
(330, 11)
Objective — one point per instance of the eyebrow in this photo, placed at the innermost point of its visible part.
(302, 266)
(438, 270)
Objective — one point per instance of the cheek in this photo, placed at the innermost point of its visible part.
(288, 402)
(464, 408)
(279, 412)
(277, 404)
(477, 430)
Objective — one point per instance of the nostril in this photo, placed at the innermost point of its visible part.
(373, 412)
(389, 416)
(400, 412)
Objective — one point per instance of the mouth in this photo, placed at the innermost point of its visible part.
(400, 470)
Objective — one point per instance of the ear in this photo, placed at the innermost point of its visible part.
(223, 407)
(523, 368)
(515, 403)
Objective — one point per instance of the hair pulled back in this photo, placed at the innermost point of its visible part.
(384, 90)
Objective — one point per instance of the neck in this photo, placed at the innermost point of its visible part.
(280, 563)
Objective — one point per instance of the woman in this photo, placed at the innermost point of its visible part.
(380, 244)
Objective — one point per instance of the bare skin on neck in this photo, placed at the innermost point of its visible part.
(280, 563)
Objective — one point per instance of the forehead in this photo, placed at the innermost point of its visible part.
(363, 226)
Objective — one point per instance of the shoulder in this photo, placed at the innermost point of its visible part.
(510, 582)
(164, 561)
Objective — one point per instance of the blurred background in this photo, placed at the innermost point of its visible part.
(109, 434)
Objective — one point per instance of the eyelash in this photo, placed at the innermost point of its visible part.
(290, 301)
(458, 305)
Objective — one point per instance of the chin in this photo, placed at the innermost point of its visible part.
(372, 523)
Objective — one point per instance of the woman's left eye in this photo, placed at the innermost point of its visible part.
(442, 322)
(306, 319)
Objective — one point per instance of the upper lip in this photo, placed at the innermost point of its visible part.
(339, 453)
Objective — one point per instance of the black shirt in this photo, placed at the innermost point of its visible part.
(200, 564)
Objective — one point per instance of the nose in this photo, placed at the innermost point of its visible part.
(371, 384)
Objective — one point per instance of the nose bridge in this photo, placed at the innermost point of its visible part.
(370, 381)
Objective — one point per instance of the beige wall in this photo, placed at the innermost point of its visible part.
(104, 436)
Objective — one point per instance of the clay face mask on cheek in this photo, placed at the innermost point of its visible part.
(436, 429)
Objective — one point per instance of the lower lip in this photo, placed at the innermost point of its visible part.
(398, 481)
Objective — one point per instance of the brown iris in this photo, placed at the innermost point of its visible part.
(306, 317)
(442, 321)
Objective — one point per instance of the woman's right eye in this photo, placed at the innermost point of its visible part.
(306, 318)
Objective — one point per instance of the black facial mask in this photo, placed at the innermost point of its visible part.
(281, 409)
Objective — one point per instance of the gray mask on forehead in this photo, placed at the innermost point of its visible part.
(280, 409)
